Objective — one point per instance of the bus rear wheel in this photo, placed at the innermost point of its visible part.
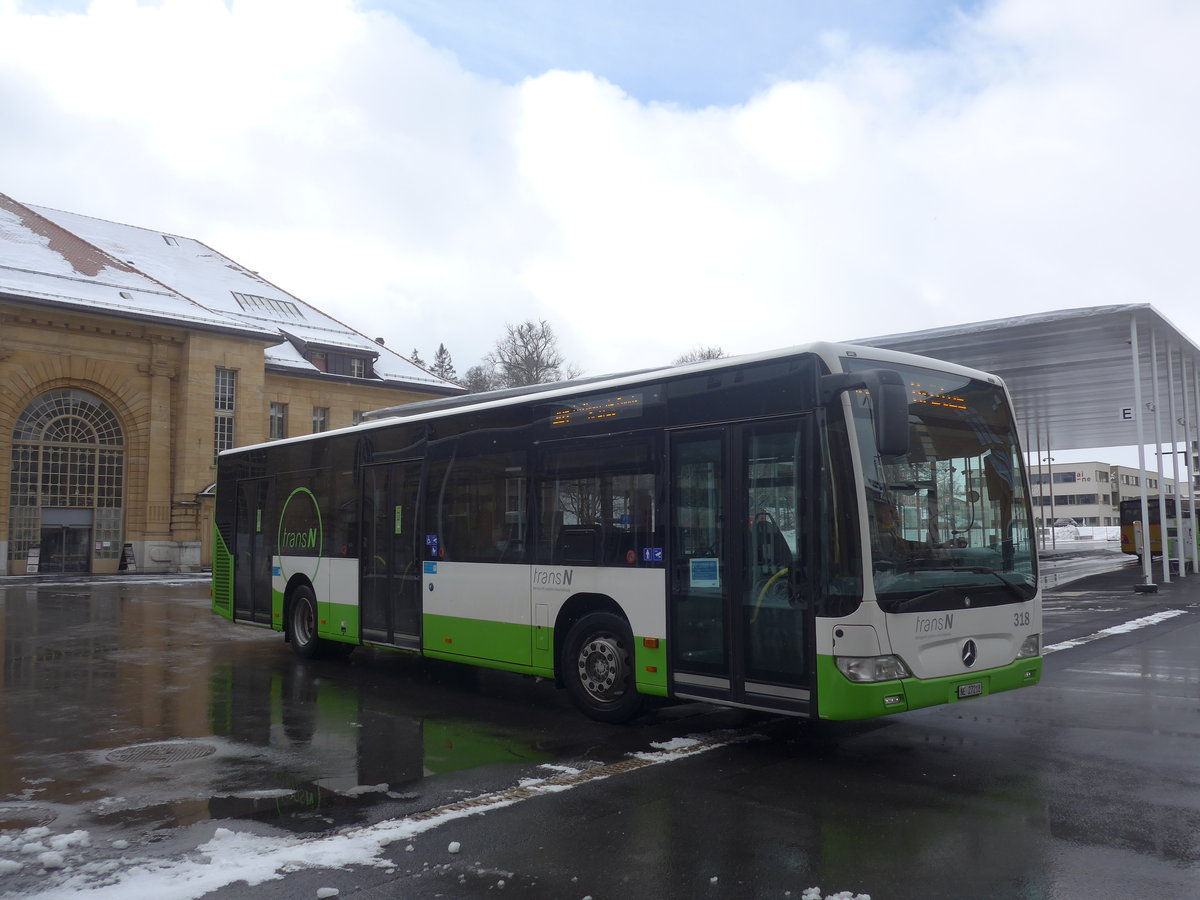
(597, 666)
(302, 624)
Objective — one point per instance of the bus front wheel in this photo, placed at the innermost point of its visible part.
(302, 623)
(597, 665)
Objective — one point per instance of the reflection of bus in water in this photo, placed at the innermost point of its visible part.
(1131, 517)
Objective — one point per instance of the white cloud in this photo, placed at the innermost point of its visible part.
(1039, 159)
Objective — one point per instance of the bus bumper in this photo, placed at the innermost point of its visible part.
(842, 699)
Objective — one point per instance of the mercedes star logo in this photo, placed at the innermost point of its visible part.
(970, 654)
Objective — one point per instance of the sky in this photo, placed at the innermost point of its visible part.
(648, 177)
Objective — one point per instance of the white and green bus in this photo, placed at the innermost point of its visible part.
(829, 531)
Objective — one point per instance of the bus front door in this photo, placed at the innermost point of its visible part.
(390, 594)
(739, 631)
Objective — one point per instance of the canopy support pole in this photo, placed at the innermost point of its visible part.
(1147, 586)
(1174, 422)
(1192, 440)
(1163, 528)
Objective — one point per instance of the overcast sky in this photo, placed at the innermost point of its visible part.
(647, 176)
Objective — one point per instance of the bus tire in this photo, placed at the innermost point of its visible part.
(302, 624)
(597, 667)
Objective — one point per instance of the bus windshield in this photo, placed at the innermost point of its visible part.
(949, 521)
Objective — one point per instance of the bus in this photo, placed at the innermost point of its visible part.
(1131, 520)
(830, 531)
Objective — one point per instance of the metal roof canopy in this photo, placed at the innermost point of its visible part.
(1071, 372)
(1080, 377)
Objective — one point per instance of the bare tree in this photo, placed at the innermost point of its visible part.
(480, 378)
(701, 353)
(528, 354)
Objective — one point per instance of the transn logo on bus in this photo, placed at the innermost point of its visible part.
(301, 532)
(302, 540)
(934, 624)
(553, 578)
(300, 523)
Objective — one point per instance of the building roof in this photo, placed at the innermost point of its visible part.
(65, 259)
(1071, 372)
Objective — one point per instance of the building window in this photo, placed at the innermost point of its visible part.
(226, 389)
(224, 402)
(222, 433)
(358, 367)
(68, 455)
(356, 417)
(278, 425)
(252, 303)
(320, 418)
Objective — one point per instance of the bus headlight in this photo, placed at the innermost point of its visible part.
(1031, 647)
(864, 669)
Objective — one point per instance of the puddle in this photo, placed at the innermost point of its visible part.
(135, 707)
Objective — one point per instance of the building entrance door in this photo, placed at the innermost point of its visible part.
(66, 540)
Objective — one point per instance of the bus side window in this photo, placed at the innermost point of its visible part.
(477, 508)
(597, 506)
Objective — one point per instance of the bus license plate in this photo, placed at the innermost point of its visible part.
(974, 689)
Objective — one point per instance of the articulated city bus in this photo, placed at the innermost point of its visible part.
(1131, 523)
(830, 531)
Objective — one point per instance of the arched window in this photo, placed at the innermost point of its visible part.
(68, 455)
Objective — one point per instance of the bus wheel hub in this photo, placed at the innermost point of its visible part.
(600, 665)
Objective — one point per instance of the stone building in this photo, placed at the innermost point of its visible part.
(128, 358)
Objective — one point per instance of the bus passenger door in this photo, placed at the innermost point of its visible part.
(739, 626)
(773, 467)
(699, 567)
(391, 564)
(252, 558)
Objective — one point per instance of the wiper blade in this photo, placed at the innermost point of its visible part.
(933, 600)
(939, 598)
(1014, 586)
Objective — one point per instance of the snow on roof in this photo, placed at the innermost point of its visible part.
(43, 261)
(57, 255)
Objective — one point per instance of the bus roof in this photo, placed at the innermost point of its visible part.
(828, 351)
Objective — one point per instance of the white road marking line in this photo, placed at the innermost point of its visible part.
(1123, 628)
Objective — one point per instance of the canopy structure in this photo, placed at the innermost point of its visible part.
(1105, 376)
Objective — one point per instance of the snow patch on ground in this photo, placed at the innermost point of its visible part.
(231, 856)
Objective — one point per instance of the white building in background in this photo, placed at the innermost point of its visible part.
(1089, 494)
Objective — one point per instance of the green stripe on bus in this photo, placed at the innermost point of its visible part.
(337, 622)
(651, 667)
(222, 576)
(842, 699)
(500, 642)
(500, 645)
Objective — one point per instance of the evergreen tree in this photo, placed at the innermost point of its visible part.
(416, 357)
(443, 366)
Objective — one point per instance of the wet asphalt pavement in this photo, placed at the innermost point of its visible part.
(135, 727)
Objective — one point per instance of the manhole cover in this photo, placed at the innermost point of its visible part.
(17, 818)
(171, 752)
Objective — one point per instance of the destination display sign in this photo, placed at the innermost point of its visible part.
(587, 410)
(934, 395)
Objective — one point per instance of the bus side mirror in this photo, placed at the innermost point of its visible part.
(889, 403)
